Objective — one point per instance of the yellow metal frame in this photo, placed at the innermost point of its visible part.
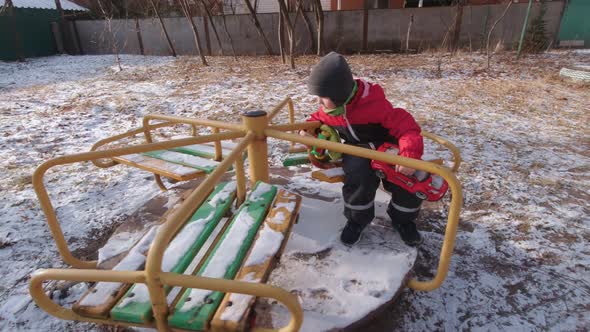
(254, 130)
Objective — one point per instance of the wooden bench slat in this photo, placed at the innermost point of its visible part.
(135, 306)
(160, 167)
(101, 297)
(196, 306)
(202, 150)
(204, 164)
(234, 310)
(331, 175)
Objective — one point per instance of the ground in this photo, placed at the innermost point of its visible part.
(520, 263)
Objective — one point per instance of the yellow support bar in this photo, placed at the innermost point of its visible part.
(45, 202)
(153, 266)
(172, 279)
(446, 173)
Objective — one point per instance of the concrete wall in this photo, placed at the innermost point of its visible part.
(343, 30)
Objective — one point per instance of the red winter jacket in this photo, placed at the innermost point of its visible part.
(370, 118)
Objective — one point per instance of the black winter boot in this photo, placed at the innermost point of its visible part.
(409, 234)
(351, 234)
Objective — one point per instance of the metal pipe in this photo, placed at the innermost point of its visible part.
(278, 108)
(45, 202)
(199, 122)
(256, 122)
(446, 173)
(241, 181)
(115, 138)
(153, 267)
(171, 279)
(297, 126)
(446, 143)
(218, 151)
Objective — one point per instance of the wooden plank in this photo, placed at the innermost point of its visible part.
(331, 175)
(196, 306)
(135, 306)
(202, 150)
(234, 310)
(160, 167)
(204, 164)
(102, 297)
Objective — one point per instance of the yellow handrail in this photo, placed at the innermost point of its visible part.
(446, 173)
(254, 131)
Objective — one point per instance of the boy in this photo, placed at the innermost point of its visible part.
(362, 116)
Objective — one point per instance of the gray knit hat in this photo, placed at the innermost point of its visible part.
(331, 78)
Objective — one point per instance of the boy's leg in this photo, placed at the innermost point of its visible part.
(358, 192)
(403, 210)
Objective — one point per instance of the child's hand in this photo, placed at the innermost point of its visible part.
(305, 133)
(404, 170)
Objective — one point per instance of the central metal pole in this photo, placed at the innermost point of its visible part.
(256, 122)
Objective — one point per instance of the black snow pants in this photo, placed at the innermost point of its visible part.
(359, 190)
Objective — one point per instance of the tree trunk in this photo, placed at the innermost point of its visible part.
(281, 34)
(307, 25)
(208, 11)
(319, 15)
(489, 55)
(290, 32)
(172, 50)
(258, 27)
(408, 33)
(231, 41)
(454, 43)
(188, 14)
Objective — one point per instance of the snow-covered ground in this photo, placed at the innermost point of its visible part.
(521, 260)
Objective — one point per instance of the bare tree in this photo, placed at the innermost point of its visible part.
(207, 6)
(170, 46)
(258, 27)
(290, 31)
(231, 41)
(319, 17)
(108, 16)
(408, 33)
(489, 54)
(186, 9)
(456, 30)
(307, 23)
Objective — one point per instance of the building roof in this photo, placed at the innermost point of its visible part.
(46, 4)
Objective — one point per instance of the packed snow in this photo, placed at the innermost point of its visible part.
(520, 260)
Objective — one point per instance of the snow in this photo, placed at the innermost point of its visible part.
(261, 189)
(187, 159)
(46, 4)
(174, 252)
(223, 257)
(525, 176)
(118, 244)
(267, 245)
(278, 218)
(134, 260)
(332, 172)
(224, 194)
(164, 165)
(239, 302)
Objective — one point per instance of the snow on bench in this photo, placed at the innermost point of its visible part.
(331, 175)
(204, 164)
(102, 297)
(160, 167)
(196, 306)
(235, 308)
(135, 306)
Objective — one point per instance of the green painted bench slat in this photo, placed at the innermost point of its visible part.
(196, 307)
(135, 306)
(204, 164)
(295, 159)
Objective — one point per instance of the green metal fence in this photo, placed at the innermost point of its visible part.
(575, 24)
(34, 28)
